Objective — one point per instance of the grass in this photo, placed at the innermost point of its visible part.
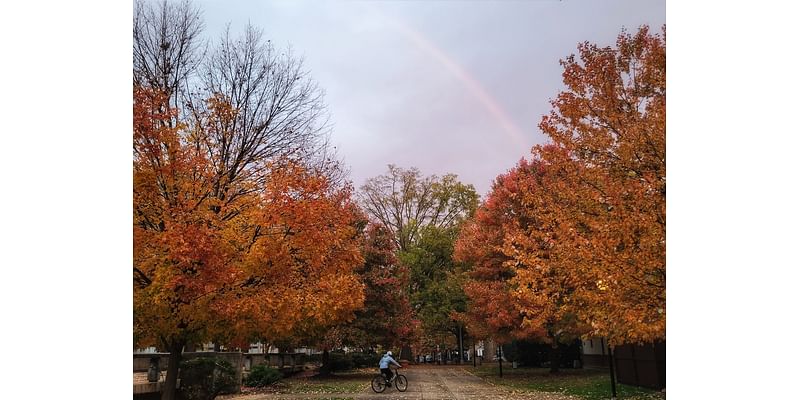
(336, 398)
(339, 383)
(584, 383)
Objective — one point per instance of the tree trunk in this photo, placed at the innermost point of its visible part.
(325, 369)
(613, 378)
(405, 353)
(555, 357)
(170, 385)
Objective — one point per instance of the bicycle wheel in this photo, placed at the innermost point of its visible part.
(401, 383)
(378, 384)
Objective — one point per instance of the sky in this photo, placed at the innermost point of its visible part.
(444, 86)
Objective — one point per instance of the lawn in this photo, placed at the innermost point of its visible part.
(354, 381)
(585, 383)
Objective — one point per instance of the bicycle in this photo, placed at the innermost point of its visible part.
(379, 383)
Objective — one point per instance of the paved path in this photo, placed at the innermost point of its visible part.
(427, 382)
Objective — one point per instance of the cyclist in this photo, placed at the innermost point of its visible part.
(384, 365)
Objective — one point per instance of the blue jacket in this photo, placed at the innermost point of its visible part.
(386, 360)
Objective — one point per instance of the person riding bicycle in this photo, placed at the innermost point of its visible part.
(384, 365)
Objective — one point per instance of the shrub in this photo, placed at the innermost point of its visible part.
(340, 362)
(262, 375)
(206, 377)
(534, 354)
(366, 360)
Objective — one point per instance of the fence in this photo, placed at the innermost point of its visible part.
(288, 361)
(642, 365)
(242, 363)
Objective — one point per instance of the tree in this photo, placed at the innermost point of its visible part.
(244, 227)
(492, 311)
(405, 202)
(435, 286)
(609, 126)
(280, 110)
(543, 284)
(277, 257)
(511, 295)
(423, 215)
(387, 319)
(167, 47)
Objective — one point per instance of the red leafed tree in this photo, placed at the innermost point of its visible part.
(226, 254)
(387, 319)
(491, 310)
(516, 288)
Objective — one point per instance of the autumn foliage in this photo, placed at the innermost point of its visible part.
(387, 319)
(491, 243)
(574, 241)
(422, 215)
(233, 256)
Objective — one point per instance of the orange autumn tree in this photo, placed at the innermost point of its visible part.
(512, 294)
(573, 242)
(232, 255)
(300, 263)
(544, 283)
(608, 204)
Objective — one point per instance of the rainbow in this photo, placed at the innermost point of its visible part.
(491, 105)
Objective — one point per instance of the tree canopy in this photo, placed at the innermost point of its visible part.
(577, 236)
(244, 228)
(405, 202)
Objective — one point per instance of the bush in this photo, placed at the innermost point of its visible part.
(366, 360)
(206, 377)
(262, 375)
(340, 362)
(534, 354)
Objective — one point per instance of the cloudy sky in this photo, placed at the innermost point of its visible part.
(446, 86)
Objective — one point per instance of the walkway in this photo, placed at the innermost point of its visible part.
(426, 382)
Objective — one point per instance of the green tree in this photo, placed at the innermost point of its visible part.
(436, 289)
(405, 202)
(423, 215)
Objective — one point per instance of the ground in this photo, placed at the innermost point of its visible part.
(424, 382)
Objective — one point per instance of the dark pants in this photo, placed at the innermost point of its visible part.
(388, 373)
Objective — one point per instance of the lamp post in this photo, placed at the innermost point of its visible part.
(474, 354)
(460, 346)
(500, 357)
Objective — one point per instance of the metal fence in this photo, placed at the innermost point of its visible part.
(642, 365)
